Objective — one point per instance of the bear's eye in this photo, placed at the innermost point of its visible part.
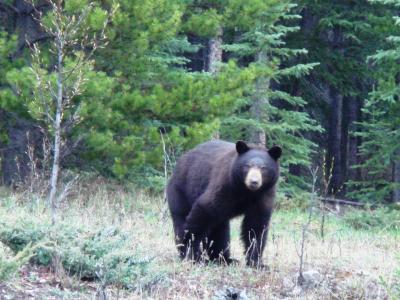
(246, 168)
(263, 168)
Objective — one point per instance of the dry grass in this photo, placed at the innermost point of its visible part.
(351, 263)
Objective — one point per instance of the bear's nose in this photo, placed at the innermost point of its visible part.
(253, 179)
(253, 182)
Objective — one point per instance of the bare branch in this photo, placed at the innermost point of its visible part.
(304, 232)
(67, 189)
(76, 24)
(66, 33)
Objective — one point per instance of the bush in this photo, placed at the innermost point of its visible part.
(11, 264)
(299, 201)
(108, 255)
(396, 288)
(392, 286)
(383, 217)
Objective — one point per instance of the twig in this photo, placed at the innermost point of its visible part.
(327, 177)
(165, 164)
(300, 279)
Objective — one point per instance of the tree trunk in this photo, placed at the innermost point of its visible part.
(335, 142)
(258, 106)
(353, 115)
(215, 59)
(197, 61)
(396, 179)
(215, 52)
(57, 131)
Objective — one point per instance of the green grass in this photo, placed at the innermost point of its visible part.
(123, 240)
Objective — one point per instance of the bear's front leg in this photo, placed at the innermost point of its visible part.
(254, 234)
(197, 224)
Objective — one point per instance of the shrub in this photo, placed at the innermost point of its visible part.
(382, 217)
(392, 286)
(397, 287)
(299, 201)
(109, 254)
(11, 264)
(395, 290)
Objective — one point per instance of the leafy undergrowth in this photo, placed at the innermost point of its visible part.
(120, 244)
(381, 218)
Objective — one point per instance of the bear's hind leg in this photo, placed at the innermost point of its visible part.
(178, 224)
(179, 208)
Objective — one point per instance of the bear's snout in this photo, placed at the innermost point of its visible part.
(253, 179)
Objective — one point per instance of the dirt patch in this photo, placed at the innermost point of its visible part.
(40, 283)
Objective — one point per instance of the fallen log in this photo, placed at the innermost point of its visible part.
(340, 201)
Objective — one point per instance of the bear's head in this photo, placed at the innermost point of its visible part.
(256, 167)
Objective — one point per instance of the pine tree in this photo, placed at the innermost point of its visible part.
(339, 35)
(267, 113)
(380, 131)
(153, 94)
(176, 72)
(8, 44)
(49, 88)
(12, 115)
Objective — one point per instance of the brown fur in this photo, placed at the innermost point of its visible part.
(207, 190)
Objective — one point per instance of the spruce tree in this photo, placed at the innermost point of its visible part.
(267, 113)
(339, 35)
(153, 94)
(380, 131)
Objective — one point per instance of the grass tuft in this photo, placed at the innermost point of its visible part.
(121, 242)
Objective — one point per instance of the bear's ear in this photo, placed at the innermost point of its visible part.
(241, 147)
(275, 152)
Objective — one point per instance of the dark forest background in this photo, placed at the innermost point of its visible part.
(319, 78)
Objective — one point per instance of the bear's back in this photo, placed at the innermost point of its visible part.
(193, 170)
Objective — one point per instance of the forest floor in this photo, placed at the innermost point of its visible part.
(346, 264)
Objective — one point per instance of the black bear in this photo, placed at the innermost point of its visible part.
(215, 182)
